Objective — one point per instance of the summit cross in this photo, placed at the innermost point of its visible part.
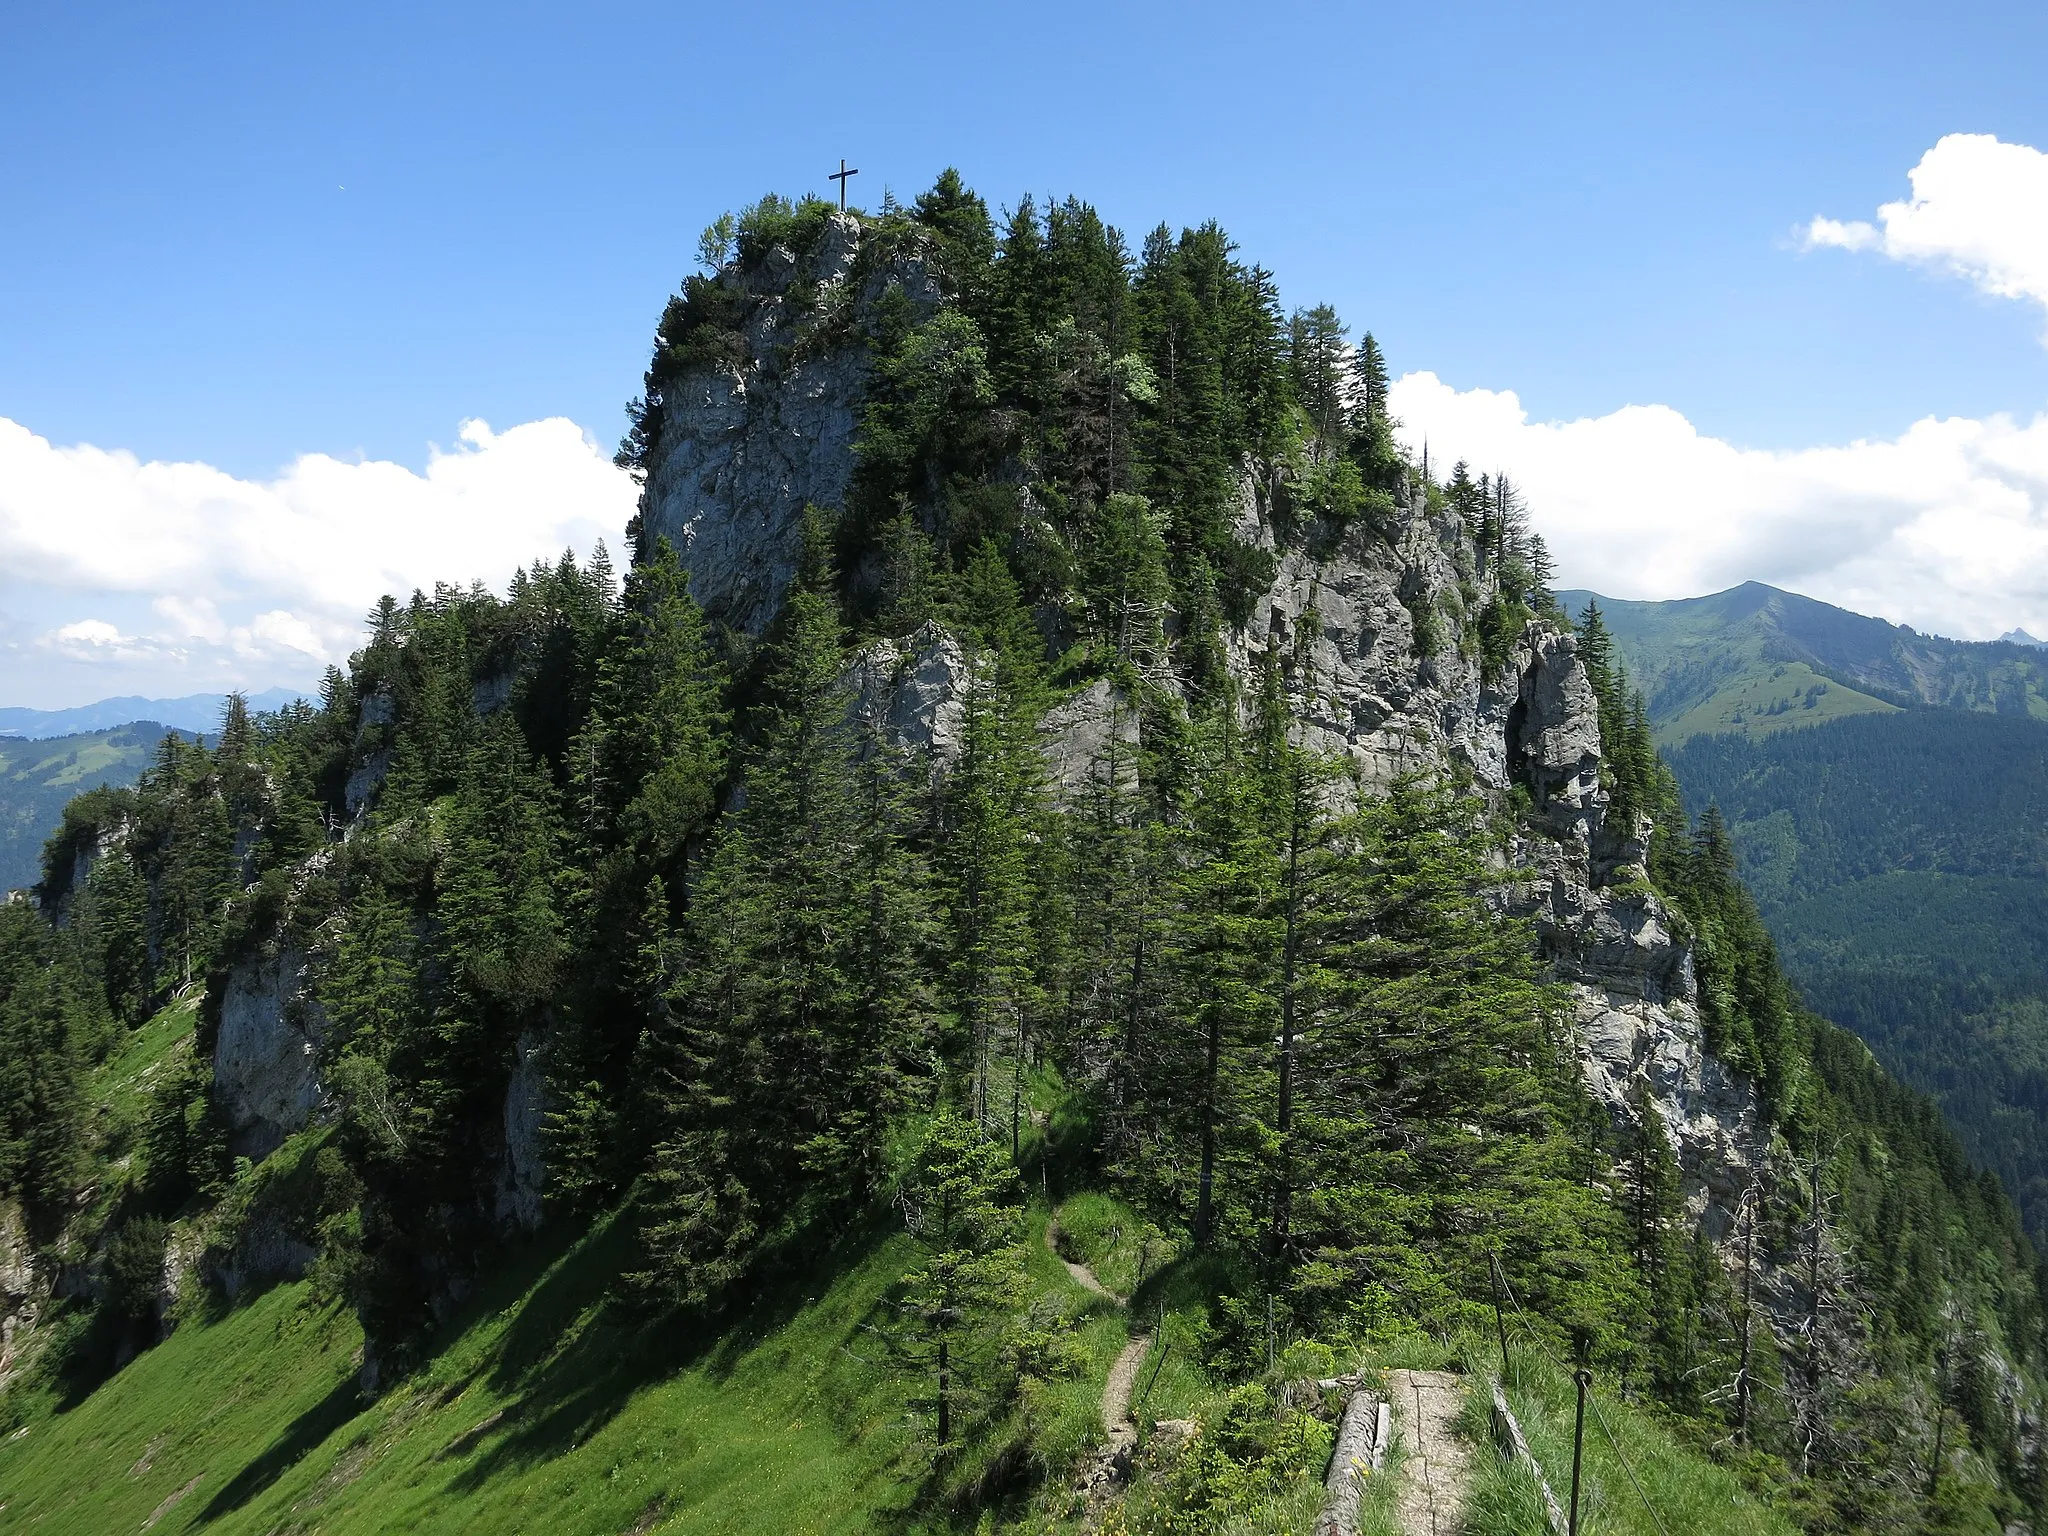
(840, 176)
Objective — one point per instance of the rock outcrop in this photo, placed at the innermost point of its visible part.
(908, 694)
(266, 1054)
(24, 1287)
(522, 1175)
(742, 448)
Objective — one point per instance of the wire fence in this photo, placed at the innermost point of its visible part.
(1535, 1337)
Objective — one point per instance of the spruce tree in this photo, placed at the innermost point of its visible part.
(968, 1278)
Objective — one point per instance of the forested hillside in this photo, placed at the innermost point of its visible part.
(1092, 769)
(1902, 864)
(38, 776)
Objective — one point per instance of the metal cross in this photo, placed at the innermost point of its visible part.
(840, 176)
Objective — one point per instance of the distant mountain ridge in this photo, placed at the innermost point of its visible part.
(193, 712)
(1756, 659)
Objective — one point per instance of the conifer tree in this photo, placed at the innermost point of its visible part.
(1223, 975)
(1315, 356)
(954, 1302)
(46, 1010)
(989, 795)
(771, 1076)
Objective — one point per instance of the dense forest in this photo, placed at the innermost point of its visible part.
(777, 979)
(1900, 861)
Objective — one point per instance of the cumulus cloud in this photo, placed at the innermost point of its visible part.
(1944, 527)
(256, 581)
(1979, 209)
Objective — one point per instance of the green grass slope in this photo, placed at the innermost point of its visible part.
(1636, 1478)
(553, 1407)
(37, 777)
(553, 1403)
(1755, 660)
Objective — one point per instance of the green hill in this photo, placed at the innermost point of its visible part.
(38, 776)
(1755, 659)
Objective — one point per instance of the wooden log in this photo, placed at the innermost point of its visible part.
(1360, 1452)
(1508, 1428)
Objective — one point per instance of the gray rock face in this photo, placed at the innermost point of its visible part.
(1361, 681)
(488, 695)
(23, 1290)
(1553, 739)
(1085, 736)
(371, 763)
(523, 1174)
(743, 449)
(1709, 1112)
(909, 693)
(266, 1054)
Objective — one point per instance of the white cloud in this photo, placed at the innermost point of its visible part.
(257, 581)
(1944, 527)
(1979, 209)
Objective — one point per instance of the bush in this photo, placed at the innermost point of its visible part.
(135, 1268)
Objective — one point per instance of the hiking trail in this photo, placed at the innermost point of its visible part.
(1110, 1465)
(1436, 1468)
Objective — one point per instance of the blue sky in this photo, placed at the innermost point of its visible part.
(246, 235)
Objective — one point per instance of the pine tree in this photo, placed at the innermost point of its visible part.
(1448, 1112)
(1369, 366)
(1124, 576)
(770, 1080)
(1652, 1192)
(46, 1015)
(1315, 357)
(1223, 976)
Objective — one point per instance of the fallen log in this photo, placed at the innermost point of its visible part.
(1361, 1451)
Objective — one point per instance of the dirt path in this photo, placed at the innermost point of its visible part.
(1107, 1469)
(1083, 1275)
(1116, 1392)
(1437, 1464)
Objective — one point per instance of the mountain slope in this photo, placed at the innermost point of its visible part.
(1902, 864)
(1755, 659)
(1049, 743)
(38, 776)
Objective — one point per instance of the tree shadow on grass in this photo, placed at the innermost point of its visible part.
(565, 1393)
(302, 1435)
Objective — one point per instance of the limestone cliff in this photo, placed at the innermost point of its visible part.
(741, 447)
(266, 1050)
